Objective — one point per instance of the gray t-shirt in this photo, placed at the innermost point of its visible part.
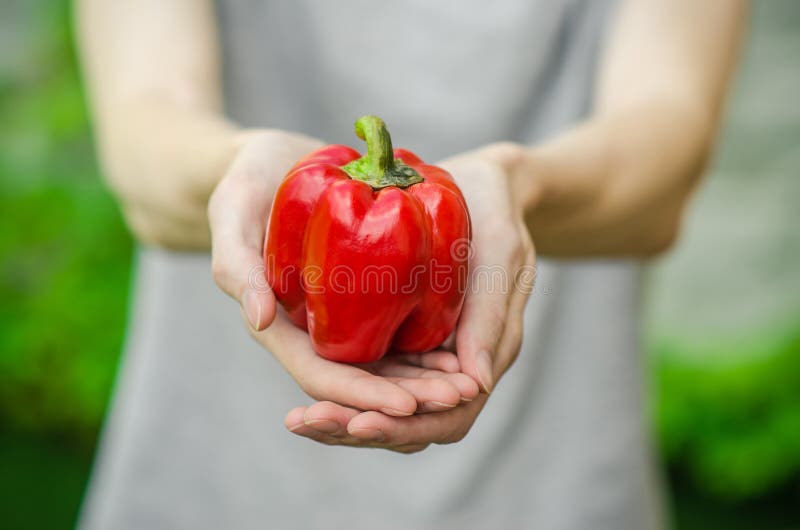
(195, 437)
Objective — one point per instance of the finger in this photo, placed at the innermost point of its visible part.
(320, 412)
(435, 360)
(237, 213)
(296, 422)
(508, 348)
(349, 441)
(316, 421)
(480, 328)
(432, 395)
(329, 417)
(295, 419)
(318, 436)
(237, 219)
(466, 386)
(487, 305)
(409, 449)
(445, 427)
(510, 343)
(325, 380)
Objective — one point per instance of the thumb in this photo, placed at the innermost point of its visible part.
(478, 334)
(236, 263)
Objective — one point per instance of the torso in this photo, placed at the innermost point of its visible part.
(196, 437)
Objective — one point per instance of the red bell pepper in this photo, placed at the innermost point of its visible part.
(369, 253)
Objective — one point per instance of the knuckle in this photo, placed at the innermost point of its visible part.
(516, 345)
(213, 201)
(525, 278)
(511, 343)
(139, 227)
(495, 315)
(502, 242)
(456, 435)
(312, 388)
(236, 183)
(146, 230)
(506, 243)
(489, 321)
(323, 439)
(410, 449)
(219, 270)
(521, 251)
(526, 244)
(271, 137)
(530, 253)
(662, 242)
(507, 154)
(517, 251)
(312, 392)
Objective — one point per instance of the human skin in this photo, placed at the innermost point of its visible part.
(614, 186)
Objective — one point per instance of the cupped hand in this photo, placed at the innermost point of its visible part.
(398, 385)
(488, 336)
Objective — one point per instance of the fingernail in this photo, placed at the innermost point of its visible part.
(326, 426)
(252, 308)
(465, 400)
(484, 366)
(368, 434)
(394, 412)
(436, 406)
(295, 427)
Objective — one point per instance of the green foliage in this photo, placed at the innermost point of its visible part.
(64, 252)
(42, 482)
(64, 258)
(732, 421)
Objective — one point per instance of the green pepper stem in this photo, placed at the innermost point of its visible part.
(378, 167)
(380, 154)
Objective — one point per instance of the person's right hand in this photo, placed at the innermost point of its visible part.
(398, 385)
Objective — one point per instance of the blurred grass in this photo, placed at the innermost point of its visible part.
(42, 482)
(730, 422)
(64, 252)
(728, 411)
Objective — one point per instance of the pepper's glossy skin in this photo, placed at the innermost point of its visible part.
(368, 270)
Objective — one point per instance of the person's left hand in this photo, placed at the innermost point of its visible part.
(489, 332)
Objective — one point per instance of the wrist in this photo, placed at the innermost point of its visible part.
(270, 150)
(220, 140)
(520, 164)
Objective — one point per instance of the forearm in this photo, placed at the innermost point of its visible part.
(142, 139)
(162, 162)
(152, 73)
(617, 184)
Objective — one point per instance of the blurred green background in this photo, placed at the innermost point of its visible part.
(723, 320)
